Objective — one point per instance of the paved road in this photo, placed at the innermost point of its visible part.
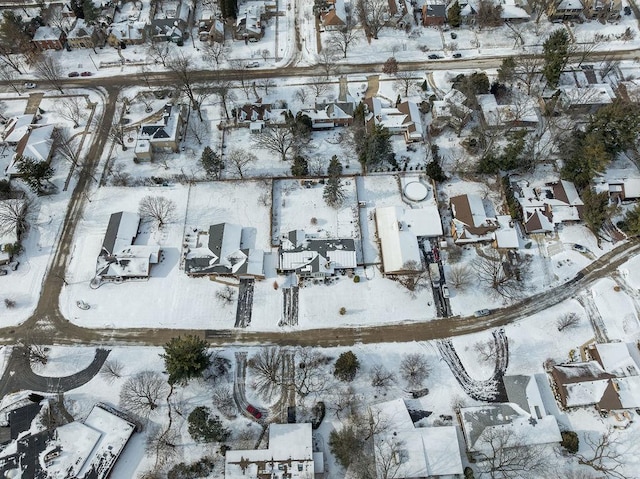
(19, 376)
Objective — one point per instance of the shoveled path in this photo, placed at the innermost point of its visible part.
(19, 376)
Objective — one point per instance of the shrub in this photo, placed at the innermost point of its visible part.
(346, 367)
(9, 303)
(356, 279)
(276, 285)
(203, 427)
(343, 311)
(570, 441)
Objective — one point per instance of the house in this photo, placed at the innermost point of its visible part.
(164, 133)
(629, 91)
(470, 222)
(334, 18)
(399, 16)
(210, 28)
(603, 9)
(585, 100)
(329, 113)
(289, 455)
(434, 12)
(545, 207)
(565, 10)
(16, 128)
(451, 111)
(609, 380)
(622, 185)
(119, 257)
(252, 112)
(88, 449)
(249, 23)
(126, 33)
(49, 38)
(404, 119)
(170, 21)
(312, 257)
(398, 232)
(507, 424)
(85, 36)
(226, 249)
(36, 144)
(514, 11)
(523, 390)
(493, 115)
(432, 452)
(9, 236)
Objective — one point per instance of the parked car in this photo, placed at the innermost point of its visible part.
(85, 74)
(254, 412)
(30, 85)
(579, 247)
(457, 55)
(3, 272)
(14, 265)
(73, 74)
(252, 65)
(445, 290)
(433, 56)
(454, 35)
(482, 312)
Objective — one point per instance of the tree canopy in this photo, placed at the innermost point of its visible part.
(346, 366)
(555, 49)
(185, 358)
(203, 427)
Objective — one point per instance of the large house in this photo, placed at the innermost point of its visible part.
(585, 99)
(418, 452)
(547, 206)
(121, 259)
(609, 381)
(170, 21)
(451, 110)
(290, 455)
(512, 116)
(470, 222)
(312, 257)
(434, 12)
(85, 36)
(126, 33)
(49, 38)
(226, 249)
(329, 113)
(404, 119)
(36, 143)
(165, 133)
(249, 25)
(399, 230)
(565, 10)
(87, 449)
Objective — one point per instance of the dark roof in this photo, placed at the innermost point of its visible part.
(516, 387)
(155, 131)
(20, 419)
(26, 458)
(112, 234)
(437, 10)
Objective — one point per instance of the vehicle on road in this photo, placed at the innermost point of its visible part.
(85, 74)
(252, 65)
(254, 412)
(482, 312)
(73, 74)
(30, 85)
(457, 55)
(445, 291)
(579, 247)
(433, 56)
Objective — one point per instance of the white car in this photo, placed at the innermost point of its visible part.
(252, 65)
(445, 290)
(30, 85)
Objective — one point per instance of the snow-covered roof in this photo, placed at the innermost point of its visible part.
(16, 128)
(497, 115)
(628, 389)
(479, 423)
(470, 219)
(597, 94)
(290, 452)
(547, 205)
(615, 359)
(523, 390)
(506, 235)
(585, 393)
(623, 181)
(569, 5)
(308, 255)
(398, 229)
(46, 33)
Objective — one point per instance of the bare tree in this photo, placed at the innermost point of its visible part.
(493, 270)
(390, 454)
(226, 295)
(414, 369)
(327, 61)
(528, 70)
(310, 376)
(607, 454)
(116, 131)
(224, 91)
(159, 52)
(199, 130)
(267, 366)
(404, 82)
(568, 321)
(72, 109)
(486, 350)
(373, 15)
(14, 216)
(381, 378)
(67, 146)
(157, 208)
(241, 75)
(345, 36)
(223, 400)
(346, 403)
(215, 52)
(460, 276)
(266, 84)
(142, 392)
(239, 160)
(34, 349)
(301, 95)
(318, 85)
(414, 281)
(162, 443)
(507, 456)
(49, 68)
(182, 71)
(10, 76)
(280, 141)
(111, 370)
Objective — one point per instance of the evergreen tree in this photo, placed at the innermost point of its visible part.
(211, 162)
(453, 15)
(507, 70)
(300, 167)
(89, 11)
(333, 193)
(434, 171)
(374, 148)
(34, 173)
(617, 125)
(203, 427)
(346, 366)
(555, 49)
(344, 445)
(335, 167)
(596, 209)
(631, 222)
(185, 358)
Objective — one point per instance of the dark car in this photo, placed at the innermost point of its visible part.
(254, 412)
(3, 272)
(579, 247)
(454, 35)
(433, 56)
(85, 74)
(74, 74)
(457, 55)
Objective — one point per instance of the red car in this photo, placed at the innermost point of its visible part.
(254, 412)
(85, 74)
